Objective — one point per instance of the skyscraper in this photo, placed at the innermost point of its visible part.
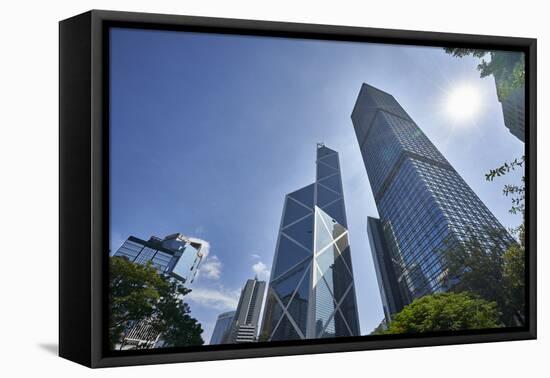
(311, 290)
(245, 323)
(222, 327)
(510, 93)
(177, 256)
(513, 109)
(392, 298)
(425, 207)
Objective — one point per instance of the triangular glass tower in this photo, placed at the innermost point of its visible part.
(311, 291)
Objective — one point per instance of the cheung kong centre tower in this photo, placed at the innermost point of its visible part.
(311, 290)
(426, 210)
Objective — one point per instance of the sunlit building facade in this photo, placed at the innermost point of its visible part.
(425, 207)
(176, 255)
(311, 291)
(245, 324)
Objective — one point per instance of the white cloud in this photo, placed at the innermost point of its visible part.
(219, 299)
(260, 269)
(255, 256)
(211, 268)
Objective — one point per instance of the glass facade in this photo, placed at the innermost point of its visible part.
(385, 272)
(175, 255)
(244, 327)
(512, 100)
(425, 207)
(222, 327)
(311, 290)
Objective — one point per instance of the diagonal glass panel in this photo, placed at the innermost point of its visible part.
(325, 262)
(325, 196)
(335, 229)
(273, 312)
(342, 278)
(329, 330)
(348, 307)
(285, 331)
(294, 211)
(336, 211)
(340, 327)
(344, 249)
(288, 255)
(331, 160)
(302, 232)
(304, 195)
(287, 285)
(333, 183)
(298, 306)
(322, 235)
(342, 243)
(324, 306)
(324, 170)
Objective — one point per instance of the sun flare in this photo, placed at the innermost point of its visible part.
(463, 102)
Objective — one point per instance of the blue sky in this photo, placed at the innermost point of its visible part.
(209, 132)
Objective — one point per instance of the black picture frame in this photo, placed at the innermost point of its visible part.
(84, 187)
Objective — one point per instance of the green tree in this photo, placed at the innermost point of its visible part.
(488, 273)
(516, 192)
(138, 293)
(514, 279)
(445, 312)
(496, 275)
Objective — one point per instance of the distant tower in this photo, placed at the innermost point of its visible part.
(245, 324)
(425, 207)
(223, 325)
(311, 290)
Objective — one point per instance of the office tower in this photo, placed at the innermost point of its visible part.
(223, 325)
(513, 109)
(311, 290)
(392, 298)
(425, 207)
(510, 95)
(176, 255)
(244, 327)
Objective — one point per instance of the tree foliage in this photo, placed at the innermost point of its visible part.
(445, 312)
(516, 192)
(495, 274)
(508, 67)
(139, 293)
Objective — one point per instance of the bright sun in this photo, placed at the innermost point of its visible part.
(463, 102)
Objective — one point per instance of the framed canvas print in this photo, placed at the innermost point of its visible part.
(233, 188)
